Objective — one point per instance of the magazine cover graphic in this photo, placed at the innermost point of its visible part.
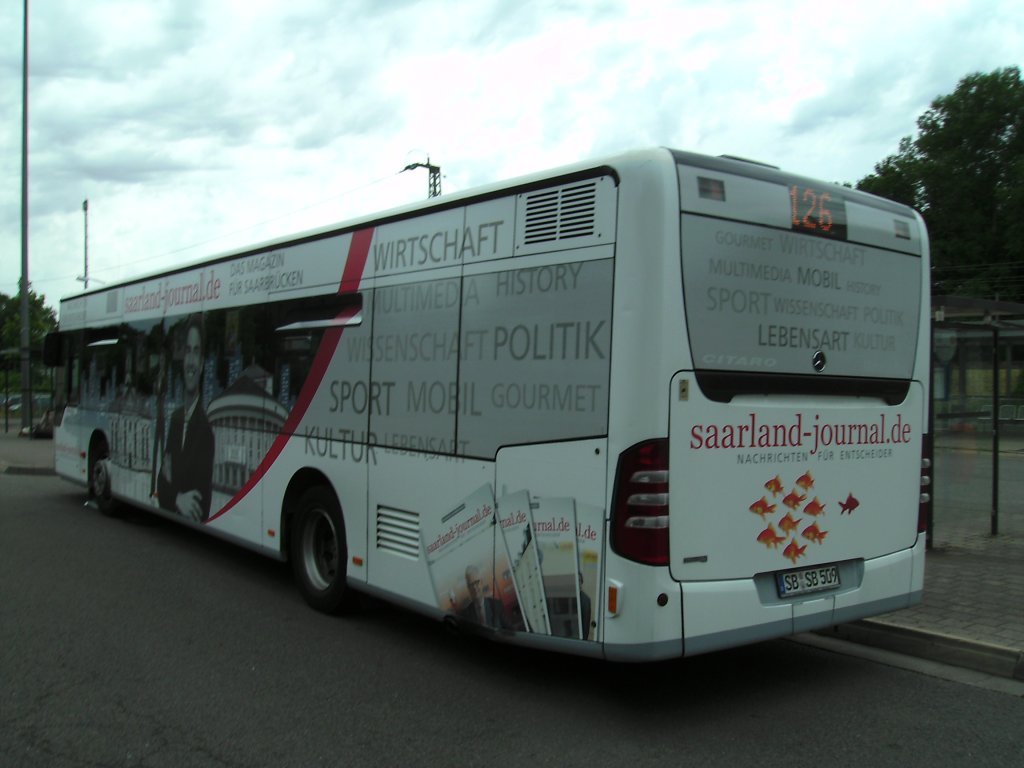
(554, 527)
(589, 526)
(460, 559)
(518, 544)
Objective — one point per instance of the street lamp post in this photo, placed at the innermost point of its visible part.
(26, 367)
(85, 273)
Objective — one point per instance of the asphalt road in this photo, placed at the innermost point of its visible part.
(137, 642)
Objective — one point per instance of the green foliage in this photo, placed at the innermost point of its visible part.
(965, 173)
(41, 320)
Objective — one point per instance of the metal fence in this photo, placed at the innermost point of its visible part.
(14, 409)
(977, 420)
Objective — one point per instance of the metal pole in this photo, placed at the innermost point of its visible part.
(26, 368)
(929, 530)
(85, 273)
(434, 180)
(995, 431)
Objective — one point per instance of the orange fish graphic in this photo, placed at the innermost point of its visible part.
(774, 485)
(814, 508)
(811, 533)
(762, 507)
(769, 538)
(793, 500)
(805, 481)
(849, 505)
(788, 523)
(793, 552)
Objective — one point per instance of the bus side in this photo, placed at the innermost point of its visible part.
(474, 397)
(446, 406)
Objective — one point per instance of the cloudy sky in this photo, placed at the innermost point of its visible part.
(196, 127)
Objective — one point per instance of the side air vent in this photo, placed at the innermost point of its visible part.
(561, 214)
(398, 532)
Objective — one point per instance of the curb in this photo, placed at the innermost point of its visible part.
(26, 455)
(982, 657)
(13, 470)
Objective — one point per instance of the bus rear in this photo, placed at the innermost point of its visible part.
(792, 497)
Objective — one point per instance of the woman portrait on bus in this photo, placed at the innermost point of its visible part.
(186, 474)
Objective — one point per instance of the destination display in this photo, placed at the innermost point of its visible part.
(817, 211)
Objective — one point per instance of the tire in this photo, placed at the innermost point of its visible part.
(99, 479)
(318, 552)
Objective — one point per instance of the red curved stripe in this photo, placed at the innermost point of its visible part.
(351, 277)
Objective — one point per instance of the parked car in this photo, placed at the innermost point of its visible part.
(40, 403)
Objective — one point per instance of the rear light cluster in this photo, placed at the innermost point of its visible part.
(640, 508)
(925, 502)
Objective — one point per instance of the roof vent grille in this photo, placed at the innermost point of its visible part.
(561, 214)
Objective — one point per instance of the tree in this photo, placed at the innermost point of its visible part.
(965, 173)
(41, 320)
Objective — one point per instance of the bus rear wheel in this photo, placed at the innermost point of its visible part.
(318, 552)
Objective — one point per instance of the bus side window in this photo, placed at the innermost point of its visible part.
(100, 367)
(298, 328)
(74, 372)
(61, 353)
(69, 374)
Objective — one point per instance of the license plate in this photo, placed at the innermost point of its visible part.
(807, 580)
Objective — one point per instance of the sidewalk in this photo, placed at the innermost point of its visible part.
(23, 455)
(972, 614)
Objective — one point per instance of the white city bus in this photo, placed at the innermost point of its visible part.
(639, 408)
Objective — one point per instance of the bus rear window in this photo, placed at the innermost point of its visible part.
(781, 276)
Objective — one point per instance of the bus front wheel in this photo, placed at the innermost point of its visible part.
(317, 550)
(99, 478)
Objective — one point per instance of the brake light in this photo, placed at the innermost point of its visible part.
(925, 502)
(640, 508)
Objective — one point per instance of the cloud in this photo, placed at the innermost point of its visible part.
(866, 104)
(196, 127)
